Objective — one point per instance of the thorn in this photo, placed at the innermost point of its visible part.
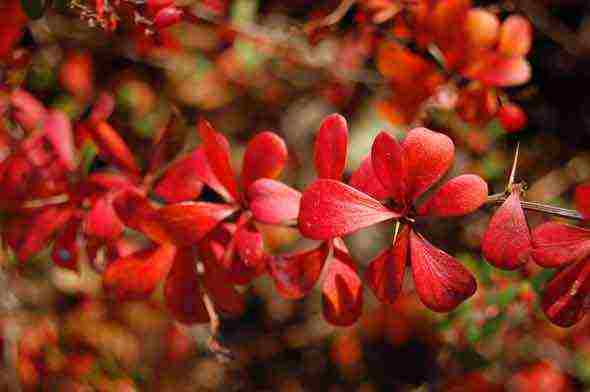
(513, 170)
(396, 231)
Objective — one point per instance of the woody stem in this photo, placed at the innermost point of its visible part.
(499, 198)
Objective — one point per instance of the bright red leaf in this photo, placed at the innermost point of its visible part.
(342, 290)
(460, 196)
(265, 157)
(390, 167)
(330, 209)
(58, 131)
(386, 272)
(557, 244)
(582, 199)
(506, 243)
(565, 297)
(365, 180)
(441, 281)
(273, 202)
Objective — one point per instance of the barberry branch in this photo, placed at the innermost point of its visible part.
(222, 353)
(499, 198)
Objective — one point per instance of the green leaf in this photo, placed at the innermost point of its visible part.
(539, 280)
(34, 8)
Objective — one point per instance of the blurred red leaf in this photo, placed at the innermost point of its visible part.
(102, 221)
(28, 111)
(516, 36)
(331, 147)
(582, 199)
(112, 146)
(58, 131)
(65, 248)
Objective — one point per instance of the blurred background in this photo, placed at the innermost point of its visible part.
(253, 65)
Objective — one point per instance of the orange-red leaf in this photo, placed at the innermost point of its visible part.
(58, 131)
(365, 180)
(112, 146)
(181, 181)
(137, 275)
(516, 35)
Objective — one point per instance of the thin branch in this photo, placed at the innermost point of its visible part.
(222, 353)
(499, 198)
(333, 18)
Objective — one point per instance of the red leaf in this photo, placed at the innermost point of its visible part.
(113, 146)
(102, 109)
(331, 209)
(137, 275)
(565, 297)
(65, 248)
(498, 70)
(582, 199)
(516, 35)
(296, 274)
(273, 202)
(183, 292)
(441, 281)
(180, 182)
(102, 221)
(216, 148)
(342, 290)
(265, 157)
(167, 17)
(107, 181)
(58, 131)
(250, 247)
(40, 228)
(28, 111)
(460, 196)
(556, 244)
(331, 147)
(365, 180)
(507, 242)
(428, 156)
(205, 174)
(385, 273)
(11, 30)
(390, 167)
(136, 212)
(220, 288)
(189, 222)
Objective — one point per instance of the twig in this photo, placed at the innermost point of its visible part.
(221, 352)
(333, 18)
(499, 198)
